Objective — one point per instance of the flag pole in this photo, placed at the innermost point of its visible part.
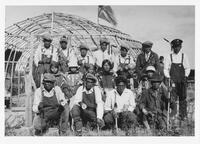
(98, 15)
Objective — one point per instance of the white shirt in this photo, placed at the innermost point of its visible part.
(87, 59)
(176, 59)
(72, 59)
(98, 98)
(126, 99)
(100, 56)
(38, 96)
(48, 52)
(124, 60)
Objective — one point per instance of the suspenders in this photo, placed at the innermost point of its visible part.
(181, 58)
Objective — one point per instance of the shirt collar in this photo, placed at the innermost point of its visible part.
(90, 91)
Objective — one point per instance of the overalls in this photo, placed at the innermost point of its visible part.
(43, 67)
(82, 116)
(177, 74)
(63, 61)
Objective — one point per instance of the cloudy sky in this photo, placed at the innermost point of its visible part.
(142, 22)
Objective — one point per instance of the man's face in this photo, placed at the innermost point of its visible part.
(63, 45)
(106, 67)
(103, 46)
(83, 52)
(120, 87)
(89, 84)
(147, 49)
(47, 44)
(123, 52)
(48, 85)
(150, 74)
(177, 49)
(54, 69)
(155, 85)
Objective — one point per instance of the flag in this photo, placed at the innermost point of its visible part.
(106, 13)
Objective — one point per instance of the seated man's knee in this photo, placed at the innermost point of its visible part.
(108, 118)
(75, 112)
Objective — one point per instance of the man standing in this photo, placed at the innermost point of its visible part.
(146, 58)
(103, 53)
(63, 54)
(43, 57)
(119, 105)
(177, 68)
(49, 105)
(84, 60)
(88, 105)
(124, 60)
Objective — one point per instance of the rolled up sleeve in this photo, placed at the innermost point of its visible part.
(37, 100)
(60, 95)
(186, 65)
(167, 65)
(132, 103)
(99, 102)
(78, 96)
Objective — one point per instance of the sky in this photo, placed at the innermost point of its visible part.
(152, 23)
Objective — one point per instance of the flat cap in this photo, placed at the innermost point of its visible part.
(124, 46)
(64, 39)
(47, 37)
(49, 77)
(176, 42)
(104, 40)
(90, 76)
(83, 46)
(120, 79)
(156, 78)
(147, 44)
(150, 68)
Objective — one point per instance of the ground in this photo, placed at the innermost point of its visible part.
(15, 121)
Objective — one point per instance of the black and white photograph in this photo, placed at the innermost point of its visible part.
(99, 71)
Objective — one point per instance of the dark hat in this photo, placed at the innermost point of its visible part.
(156, 78)
(83, 46)
(144, 77)
(120, 79)
(55, 64)
(176, 42)
(150, 68)
(64, 39)
(104, 40)
(90, 76)
(49, 77)
(147, 44)
(124, 46)
(47, 37)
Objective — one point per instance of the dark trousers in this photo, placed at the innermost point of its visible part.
(126, 120)
(81, 116)
(180, 90)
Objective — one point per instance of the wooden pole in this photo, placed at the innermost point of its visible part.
(28, 88)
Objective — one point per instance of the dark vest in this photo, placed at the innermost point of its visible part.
(89, 100)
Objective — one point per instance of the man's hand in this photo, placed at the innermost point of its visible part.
(100, 122)
(144, 111)
(125, 108)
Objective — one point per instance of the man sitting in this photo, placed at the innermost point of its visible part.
(49, 105)
(119, 105)
(88, 105)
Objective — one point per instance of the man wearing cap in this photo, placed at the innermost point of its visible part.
(103, 53)
(177, 68)
(88, 105)
(123, 60)
(120, 104)
(63, 54)
(43, 57)
(146, 58)
(49, 106)
(84, 59)
(152, 104)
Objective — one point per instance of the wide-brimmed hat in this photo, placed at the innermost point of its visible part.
(124, 46)
(176, 42)
(147, 44)
(150, 68)
(156, 78)
(47, 37)
(83, 46)
(104, 40)
(64, 39)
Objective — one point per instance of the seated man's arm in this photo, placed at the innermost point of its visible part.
(37, 100)
(99, 102)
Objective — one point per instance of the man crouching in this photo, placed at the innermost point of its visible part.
(49, 105)
(88, 105)
(119, 108)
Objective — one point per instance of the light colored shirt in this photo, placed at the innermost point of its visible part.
(48, 52)
(98, 98)
(87, 59)
(100, 56)
(72, 59)
(127, 99)
(177, 58)
(38, 96)
(124, 60)
(147, 55)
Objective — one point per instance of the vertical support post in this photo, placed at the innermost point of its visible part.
(52, 19)
(18, 87)
(28, 87)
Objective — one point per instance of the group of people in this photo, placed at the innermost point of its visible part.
(107, 91)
